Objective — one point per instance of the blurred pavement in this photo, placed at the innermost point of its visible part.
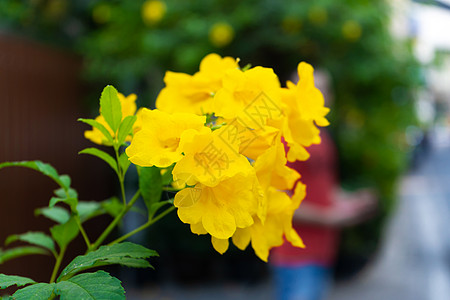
(414, 259)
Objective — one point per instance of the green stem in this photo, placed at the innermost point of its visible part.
(142, 227)
(58, 264)
(114, 222)
(83, 232)
(120, 175)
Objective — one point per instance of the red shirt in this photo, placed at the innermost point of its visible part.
(319, 175)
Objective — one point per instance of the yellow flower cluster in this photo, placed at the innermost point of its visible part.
(223, 132)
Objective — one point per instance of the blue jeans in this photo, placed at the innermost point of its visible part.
(305, 282)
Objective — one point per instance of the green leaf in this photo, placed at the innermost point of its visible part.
(127, 254)
(100, 127)
(20, 251)
(10, 280)
(125, 128)
(150, 184)
(72, 202)
(110, 107)
(44, 168)
(102, 155)
(56, 213)
(39, 291)
(61, 193)
(167, 176)
(98, 285)
(89, 209)
(35, 238)
(112, 206)
(63, 234)
(124, 162)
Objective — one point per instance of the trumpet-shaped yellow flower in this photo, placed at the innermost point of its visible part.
(210, 157)
(252, 97)
(128, 109)
(278, 224)
(304, 109)
(194, 93)
(272, 171)
(219, 210)
(157, 143)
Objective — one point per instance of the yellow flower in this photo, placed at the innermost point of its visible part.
(153, 11)
(194, 94)
(278, 223)
(219, 210)
(210, 157)
(255, 142)
(272, 171)
(351, 30)
(304, 107)
(157, 143)
(221, 34)
(252, 97)
(128, 109)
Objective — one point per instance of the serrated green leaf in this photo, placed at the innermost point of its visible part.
(90, 286)
(35, 238)
(89, 209)
(63, 234)
(38, 291)
(99, 126)
(10, 280)
(44, 168)
(20, 251)
(150, 184)
(128, 254)
(56, 213)
(102, 155)
(125, 128)
(110, 107)
(124, 162)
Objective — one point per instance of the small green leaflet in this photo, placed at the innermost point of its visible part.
(20, 251)
(125, 128)
(124, 162)
(63, 234)
(102, 155)
(46, 169)
(128, 254)
(100, 127)
(150, 184)
(110, 107)
(58, 214)
(35, 238)
(10, 280)
(87, 286)
(38, 291)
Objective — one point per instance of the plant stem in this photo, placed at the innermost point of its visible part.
(58, 264)
(142, 227)
(83, 232)
(114, 222)
(120, 175)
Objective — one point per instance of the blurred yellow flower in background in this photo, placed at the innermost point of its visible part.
(221, 34)
(351, 30)
(153, 11)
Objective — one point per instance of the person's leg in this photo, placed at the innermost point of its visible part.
(306, 282)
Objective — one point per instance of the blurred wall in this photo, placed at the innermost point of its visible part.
(40, 101)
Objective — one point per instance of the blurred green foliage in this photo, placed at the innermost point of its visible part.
(130, 45)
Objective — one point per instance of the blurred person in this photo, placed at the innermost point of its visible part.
(305, 273)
